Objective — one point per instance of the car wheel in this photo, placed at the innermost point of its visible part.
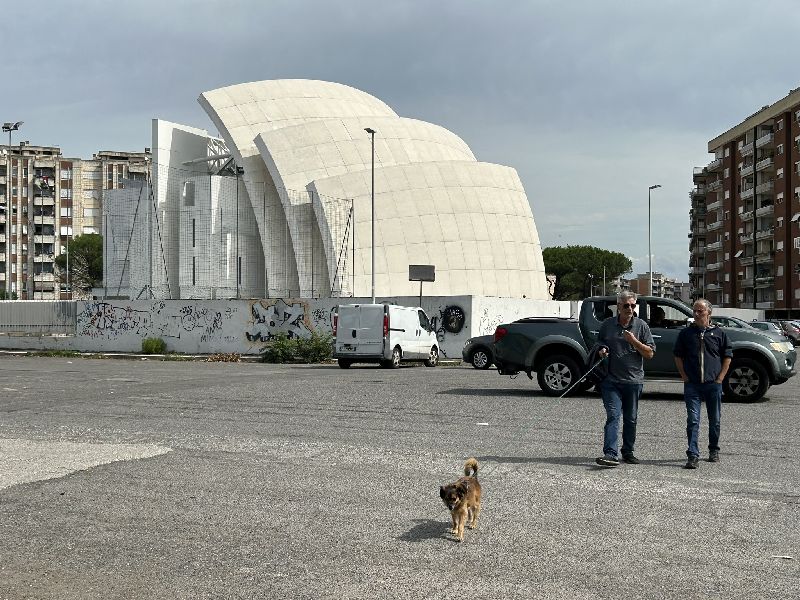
(394, 361)
(433, 357)
(556, 374)
(344, 363)
(747, 381)
(480, 358)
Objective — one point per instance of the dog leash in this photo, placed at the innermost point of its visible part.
(570, 388)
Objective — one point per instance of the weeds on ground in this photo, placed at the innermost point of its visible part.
(225, 357)
(153, 346)
(283, 349)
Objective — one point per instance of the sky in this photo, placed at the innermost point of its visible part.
(591, 101)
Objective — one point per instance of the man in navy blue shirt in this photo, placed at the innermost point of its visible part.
(702, 355)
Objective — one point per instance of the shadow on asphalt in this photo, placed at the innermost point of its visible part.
(572, 461)
(425, 529)
(490, 392)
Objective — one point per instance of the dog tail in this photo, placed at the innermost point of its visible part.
(471, 467)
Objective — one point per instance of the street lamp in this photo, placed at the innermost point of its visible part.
(371, 132)
(649, 240)
(9, 127)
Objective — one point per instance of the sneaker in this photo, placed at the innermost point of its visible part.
(713, 456)
(691, 463)
(630, 459)
(607, 461)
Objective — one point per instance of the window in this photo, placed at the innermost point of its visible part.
(90, 230)
(779, 198)
(779, 174)
(778, 294)
(727, 151)
(780, 221)
(779, 246)
(779, 271)
(89, 213)
(727, 172)
(65, 193)
(779, 125)
(727, 215)
(779, 149)
(66, 211)
(797, 243)
(66, 230)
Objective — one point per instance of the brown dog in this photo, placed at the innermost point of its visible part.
(463, 499)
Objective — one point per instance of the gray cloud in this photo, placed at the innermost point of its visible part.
(591, 101)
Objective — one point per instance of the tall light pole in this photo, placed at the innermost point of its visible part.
(371, 132)
(9, 127)
(649, 239)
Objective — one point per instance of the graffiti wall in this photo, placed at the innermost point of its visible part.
(247, 326)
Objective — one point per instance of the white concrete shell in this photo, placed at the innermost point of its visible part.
(307, 160)
(240, 112)
(471, 220)
(297, 155)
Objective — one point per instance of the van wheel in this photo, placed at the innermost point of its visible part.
(556, 374)
(394, 361)
(433, 357)
(747, 381)
(344, 363)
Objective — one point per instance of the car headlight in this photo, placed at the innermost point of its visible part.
(781, 346)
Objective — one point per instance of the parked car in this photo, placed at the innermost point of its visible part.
(770, 326)
(383, 333)
(557, 349)
(791, 330)
(479, 352)
(726, 321)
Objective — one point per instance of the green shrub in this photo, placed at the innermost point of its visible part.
(283, 349)
(153, 346)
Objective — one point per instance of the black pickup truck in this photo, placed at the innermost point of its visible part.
(556, 349)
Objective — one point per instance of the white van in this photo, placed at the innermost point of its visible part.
(383, 333)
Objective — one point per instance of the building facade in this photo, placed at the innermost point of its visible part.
(45, 200)
(744, 239)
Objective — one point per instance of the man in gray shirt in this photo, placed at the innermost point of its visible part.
(625, 340)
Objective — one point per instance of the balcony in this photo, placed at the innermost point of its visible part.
(746, 193)
(765, 257)
(764, 282)
(699, 270)
(698, 192)
(714, 266)
(713, 287)
(714, 165)
(765, 210)
(714, 226)
(745, 282)
(746, 149)
(748, 170)
(44, 201)
(714, 205)
(746, 238)
(44, 239)
(714, 185)
(765, 305)
(714, 246)
(764, 163)
(765, 233)
(765, 187)
(765, 140)
(43, 258)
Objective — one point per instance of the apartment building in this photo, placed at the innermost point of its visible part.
(45, 200)
(744, 239)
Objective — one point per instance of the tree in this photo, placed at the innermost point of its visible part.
(578, 268)
(85, 262)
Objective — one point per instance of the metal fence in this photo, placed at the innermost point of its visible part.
(38, 317)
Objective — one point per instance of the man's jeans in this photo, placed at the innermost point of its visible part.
(620, 399)
(694, 394)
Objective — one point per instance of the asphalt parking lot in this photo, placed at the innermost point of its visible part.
(144, 479)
